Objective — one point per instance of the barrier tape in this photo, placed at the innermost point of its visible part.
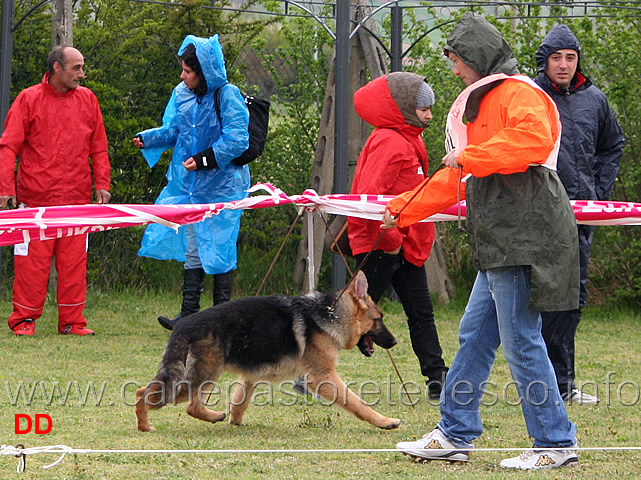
(44, 223)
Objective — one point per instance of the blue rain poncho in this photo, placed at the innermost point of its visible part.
(191, 125)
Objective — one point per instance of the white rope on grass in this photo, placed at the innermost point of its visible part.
(64, 450)
(21, 453)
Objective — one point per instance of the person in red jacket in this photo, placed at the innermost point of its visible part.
(392, 161)
(54, 127)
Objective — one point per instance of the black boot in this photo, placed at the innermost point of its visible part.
(223, 286)
(435, 385)
(194, 280)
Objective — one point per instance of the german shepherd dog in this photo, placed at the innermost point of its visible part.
(270, 339)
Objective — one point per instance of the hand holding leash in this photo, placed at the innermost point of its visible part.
(451, 159)
(389, 220)
(138, 142)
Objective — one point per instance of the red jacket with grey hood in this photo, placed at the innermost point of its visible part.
(392, 161)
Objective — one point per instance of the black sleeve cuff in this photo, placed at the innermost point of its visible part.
(206, 160)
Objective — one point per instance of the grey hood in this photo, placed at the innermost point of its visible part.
(481, 46)
(404, 87)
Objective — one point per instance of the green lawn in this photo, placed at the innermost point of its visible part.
(86, 386)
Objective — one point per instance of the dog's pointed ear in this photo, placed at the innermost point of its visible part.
(361, 286)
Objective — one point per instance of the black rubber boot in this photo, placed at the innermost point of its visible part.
(223, 286)
(194, 280)
(435, 385)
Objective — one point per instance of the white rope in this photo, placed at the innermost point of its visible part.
(21, 453)
(64, 450)
(359, 450)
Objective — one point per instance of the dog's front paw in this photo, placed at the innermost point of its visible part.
(391, 424)
(147, 428)
(235, 421)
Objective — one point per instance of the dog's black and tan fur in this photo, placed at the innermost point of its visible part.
(268, 339)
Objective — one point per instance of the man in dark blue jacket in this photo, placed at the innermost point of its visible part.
(591, 150)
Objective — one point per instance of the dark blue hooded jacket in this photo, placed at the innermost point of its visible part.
(592, 140)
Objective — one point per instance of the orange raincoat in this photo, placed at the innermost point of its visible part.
(517, 209)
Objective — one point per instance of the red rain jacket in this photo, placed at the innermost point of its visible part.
(54, 134)
(392, 161)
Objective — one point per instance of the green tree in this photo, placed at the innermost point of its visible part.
(130, 50)
(299, 65)
(609, 43)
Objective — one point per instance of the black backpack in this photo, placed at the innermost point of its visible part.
(258, 123)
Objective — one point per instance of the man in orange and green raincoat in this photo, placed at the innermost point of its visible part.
(523, 236)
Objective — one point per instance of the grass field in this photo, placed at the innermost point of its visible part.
(86, 386)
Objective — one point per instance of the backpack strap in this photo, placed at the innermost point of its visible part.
(217, 101)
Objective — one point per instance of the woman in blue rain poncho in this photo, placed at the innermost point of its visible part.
(201, 171)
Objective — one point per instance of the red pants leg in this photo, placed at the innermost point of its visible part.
(31, 266)
(71, 263)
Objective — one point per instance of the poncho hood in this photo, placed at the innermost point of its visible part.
(210, 56)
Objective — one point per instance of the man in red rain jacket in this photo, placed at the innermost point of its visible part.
(54, 128)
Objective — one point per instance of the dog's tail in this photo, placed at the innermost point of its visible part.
(169, 384)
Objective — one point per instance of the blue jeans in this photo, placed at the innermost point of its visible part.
(497, 314)
(192, 258)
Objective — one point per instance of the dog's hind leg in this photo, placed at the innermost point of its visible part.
(199, 397)
(197, 408)
(153, 396)
(204, 366)
(241, 397)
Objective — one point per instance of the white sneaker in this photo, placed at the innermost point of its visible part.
(542, 459)
(433, 446)
(580, 398)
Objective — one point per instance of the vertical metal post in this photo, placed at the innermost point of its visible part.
(311, 269)
(6, 46)
(341, 125)
(6, 52)
(397, 38)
